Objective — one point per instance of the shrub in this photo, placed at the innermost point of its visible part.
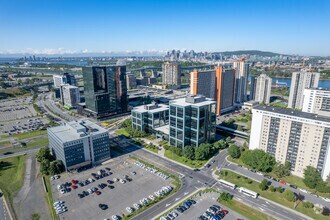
(272, 189)
(263, 185)
(308, 205)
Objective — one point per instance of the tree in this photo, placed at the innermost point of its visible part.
(219, 145)
(126, 123)
(234, 151)
(203, 152)
(282, 170)
(312, 177)
(289, 195)
(259, 160)
(239, 128)
(176, 150)
(56, 167)
(44, 154)
(189, 152)
(322, 187)
(263, 185)
(272, 189)
(44, 167)
(228, 139)
(279, 189)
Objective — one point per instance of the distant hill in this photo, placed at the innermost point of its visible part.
(250, 52)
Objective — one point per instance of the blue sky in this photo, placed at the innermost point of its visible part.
(285, 26)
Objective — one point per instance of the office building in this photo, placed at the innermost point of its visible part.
(150, 117)
(300, 81)
(263, 89)
(70, 95)
(65, 78)
(202, 83)
(105, 90)
(171, 73)
(289, 135)
(241, 81)
(192, 121)
(224, 89)
(317, 101)
(79, 143)
(253, 87)
(131, 81)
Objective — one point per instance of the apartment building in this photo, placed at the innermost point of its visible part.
(298, 137)
(300, 81)
(171, 73)
(317, 100)
(202, 83)
(241, 81)
(263, 89)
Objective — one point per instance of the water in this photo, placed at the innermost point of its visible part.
(322, 83)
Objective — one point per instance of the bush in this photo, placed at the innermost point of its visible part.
(289, 195)
(308, 205)
(263, 185)
(189, 152)
(272, 189)
(249, 181)
(225, 197)
(279, 189)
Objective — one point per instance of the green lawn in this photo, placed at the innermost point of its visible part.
(191, 163)
(242, 181)
(122, 131)
(5, 144)
(294, 180)
(12, 175)
(246, 211)
(49, 197)
(29, 134)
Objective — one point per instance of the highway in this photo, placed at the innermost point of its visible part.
(194, 180)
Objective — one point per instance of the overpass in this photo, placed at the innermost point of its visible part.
(220, 128)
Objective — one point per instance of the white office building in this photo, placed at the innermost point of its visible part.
(79, 143)
(70, 95)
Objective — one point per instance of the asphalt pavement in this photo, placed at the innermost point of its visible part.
(3, 211)
(194, 180)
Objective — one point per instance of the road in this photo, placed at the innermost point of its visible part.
(194, 180)
(3, 210)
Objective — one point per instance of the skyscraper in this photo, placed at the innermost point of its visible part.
(202, 83)
(224, 89)
(263, 89)
(105, 89)
(300, 81)
(241, 81)
(171, 73)
(70, 95)
(65, 78)
(253, 87)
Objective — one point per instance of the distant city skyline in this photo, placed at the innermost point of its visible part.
(85, 27)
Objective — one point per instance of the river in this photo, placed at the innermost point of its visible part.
(322, 83)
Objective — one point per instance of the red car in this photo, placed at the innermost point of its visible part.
(74, 187)
(73, 181)
(97, 192)
(225, 212)
(282, 182)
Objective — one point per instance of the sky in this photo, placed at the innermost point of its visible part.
(78, 26)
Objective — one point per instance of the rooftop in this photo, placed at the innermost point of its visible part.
(295, 113)
(193, 101)
(75, 130)
(151, 108)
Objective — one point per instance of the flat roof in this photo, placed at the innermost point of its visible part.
(182, 102)
(295, 113)
(75, 130)
(160, 108)
(164, 129)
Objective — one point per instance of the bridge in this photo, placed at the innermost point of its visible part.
(231, 131)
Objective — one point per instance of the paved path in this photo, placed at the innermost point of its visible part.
(3, 210)
(31, 198)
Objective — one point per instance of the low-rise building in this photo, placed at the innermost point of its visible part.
(79, 143)
(301, 138)
(149, 117)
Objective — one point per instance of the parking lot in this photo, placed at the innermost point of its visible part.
(204, 202)
(117, 198)
(17, 115)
